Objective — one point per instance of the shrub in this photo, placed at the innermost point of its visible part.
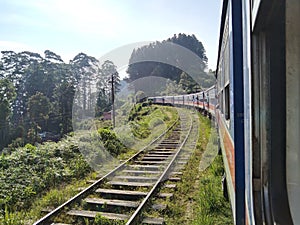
(30, 147)
(32, 170)
(111, 142)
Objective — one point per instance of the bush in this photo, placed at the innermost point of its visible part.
(111, 142)
(29, 171)
(30, 147)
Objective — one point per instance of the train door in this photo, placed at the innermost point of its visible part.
(293, 107)
(275, 94)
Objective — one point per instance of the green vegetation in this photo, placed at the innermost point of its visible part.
(101, 220)
(211, 206)
(199, 197)
(29, 171)
(111, 143)
(145, 117)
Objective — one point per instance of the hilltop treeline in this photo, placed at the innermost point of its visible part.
(37, 93)
(168, 58)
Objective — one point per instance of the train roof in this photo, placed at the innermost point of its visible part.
(223, 18)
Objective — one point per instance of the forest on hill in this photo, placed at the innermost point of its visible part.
(167, 58)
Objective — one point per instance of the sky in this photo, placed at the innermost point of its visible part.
(96, 27)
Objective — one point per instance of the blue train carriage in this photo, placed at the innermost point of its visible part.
(258, 113)
(157, 99)
(190, 100)
(230, 109)
(210, 101)
(178, 100)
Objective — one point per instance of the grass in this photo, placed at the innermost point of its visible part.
(211, 206)
(199, 199)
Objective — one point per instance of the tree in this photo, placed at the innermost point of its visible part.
(39, 108)
(86, 70)
(7, 96)
(110, 73)
(64, 95)
(172, 88)
(51, 56)
(14, 67)
(102, 104)
(188, 84)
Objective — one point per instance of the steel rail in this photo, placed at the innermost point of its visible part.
(135, 218)
(47, 218)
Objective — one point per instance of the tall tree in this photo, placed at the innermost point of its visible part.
(39, 108)
(188, 84)
(14, 66)
(111, 75)
(7, 95)
(64, 95)
(85, 69)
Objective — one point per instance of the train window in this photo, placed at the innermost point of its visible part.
(221, 102)
(227, 103)
(226, 63)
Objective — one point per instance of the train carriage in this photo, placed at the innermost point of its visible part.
(211, 101)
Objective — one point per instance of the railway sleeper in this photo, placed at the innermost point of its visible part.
(117, 205)
(113, 216)
(92, 214)
(161, 152)
(147, 172)
(121, 194)
(130, 184)
(146, 167)
(155, 157)
(60, 224)
(111, 202)
(151, 162)
(135, 178)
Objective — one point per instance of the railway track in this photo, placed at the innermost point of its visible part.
(126, 193)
